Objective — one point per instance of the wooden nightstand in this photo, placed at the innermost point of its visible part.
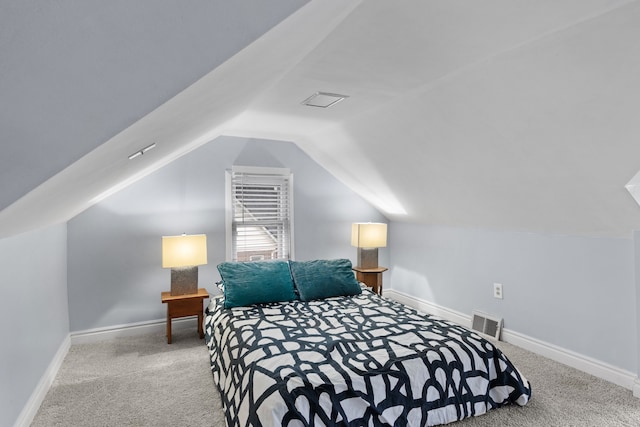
(371, 277)
(183, 306)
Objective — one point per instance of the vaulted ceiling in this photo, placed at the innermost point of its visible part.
(517, 115)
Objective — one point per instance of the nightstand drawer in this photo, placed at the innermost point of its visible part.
(189, 307)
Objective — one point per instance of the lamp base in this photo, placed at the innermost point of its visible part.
(368, 257)
(184, 280)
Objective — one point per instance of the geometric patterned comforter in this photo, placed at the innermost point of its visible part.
(361, 360)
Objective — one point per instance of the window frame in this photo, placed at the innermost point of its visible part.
(255, 172)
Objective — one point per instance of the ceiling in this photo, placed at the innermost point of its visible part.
(501, 114)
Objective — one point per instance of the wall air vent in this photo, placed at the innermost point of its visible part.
(486, 325)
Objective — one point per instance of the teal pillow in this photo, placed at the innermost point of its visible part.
(259, 282)
(324, 278)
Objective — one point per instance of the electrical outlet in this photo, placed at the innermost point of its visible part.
(497, 290)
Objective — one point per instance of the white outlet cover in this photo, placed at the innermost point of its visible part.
(497, 290)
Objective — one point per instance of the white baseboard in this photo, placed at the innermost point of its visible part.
(583, 363)
(30, 410)
(130, 329)
(636, 388)
(621, 377)
(430, 308)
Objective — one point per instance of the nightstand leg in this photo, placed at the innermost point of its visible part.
(200, 330)
(168, 327)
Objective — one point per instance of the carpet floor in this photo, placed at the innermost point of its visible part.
(143, 381)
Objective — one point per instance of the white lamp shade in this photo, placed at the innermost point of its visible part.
(184, 251)
(369, 235)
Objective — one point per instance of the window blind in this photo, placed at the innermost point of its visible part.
(261, 214)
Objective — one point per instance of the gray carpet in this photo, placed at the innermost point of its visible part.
(134, 381)
(142, 381)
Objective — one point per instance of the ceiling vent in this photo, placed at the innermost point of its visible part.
(486, 325)
(323, 99)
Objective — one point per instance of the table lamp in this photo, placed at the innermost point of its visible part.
(368, 237)
(183, 254)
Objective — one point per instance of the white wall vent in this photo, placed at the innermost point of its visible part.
(486, 325)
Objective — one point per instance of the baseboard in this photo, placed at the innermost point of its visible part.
(578, 361)
(621, 377)
(130, 329)
(430, 308)
(30, 410)
(583, 363)
(636, 388)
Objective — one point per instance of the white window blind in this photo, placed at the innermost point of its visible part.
(261, 213)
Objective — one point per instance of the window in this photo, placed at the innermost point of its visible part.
(259, 214)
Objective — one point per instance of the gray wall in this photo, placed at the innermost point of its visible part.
(110, 63)
(115, 274)
(576, 293)
(636, 239)
(35, 319)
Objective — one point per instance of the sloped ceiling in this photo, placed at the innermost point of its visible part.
(516, 115)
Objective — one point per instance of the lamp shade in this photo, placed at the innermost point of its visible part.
(369, 235)
(184, 251)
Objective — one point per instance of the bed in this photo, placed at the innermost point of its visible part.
(304, 344)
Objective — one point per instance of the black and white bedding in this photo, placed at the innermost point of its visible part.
(352, 360)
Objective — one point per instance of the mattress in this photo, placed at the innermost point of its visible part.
(353, 360)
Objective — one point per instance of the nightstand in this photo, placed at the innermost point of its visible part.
(183, 306)
(371, 277)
